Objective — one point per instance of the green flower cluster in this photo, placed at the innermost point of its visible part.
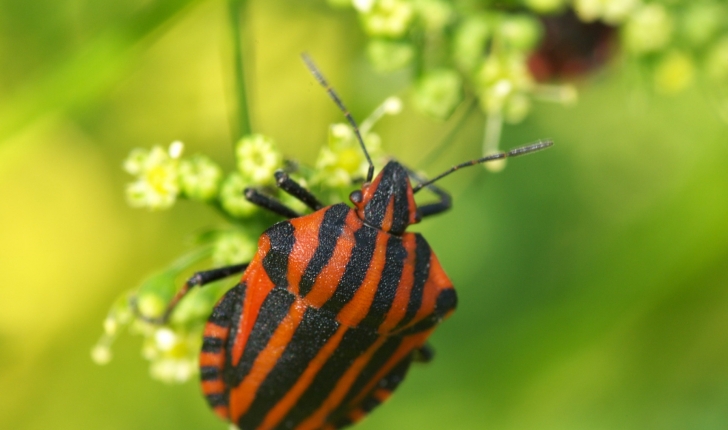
(455, 49)
(678, 43)
(460, 47)
(162, 176)
(674, 42)
(342, 161)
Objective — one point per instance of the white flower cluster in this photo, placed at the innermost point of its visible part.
(342, 160)
(162, 177)
(156, 170)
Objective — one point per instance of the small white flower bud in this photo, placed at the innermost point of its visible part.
(502, 88)
(393, 105)
(363, 6)
(110, 325)
(232, 198)
(199, 178)
(101, 354)
(176, 148)
(165, 339)
(258, 158)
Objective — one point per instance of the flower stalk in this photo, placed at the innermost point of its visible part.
(237, 14)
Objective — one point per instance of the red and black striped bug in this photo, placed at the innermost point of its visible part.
(333, 308)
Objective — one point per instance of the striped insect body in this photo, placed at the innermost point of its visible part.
(334, 307)
(325, 321)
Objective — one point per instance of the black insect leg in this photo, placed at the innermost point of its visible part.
(295, 189)
(423, 354)
(440, 206)
(444, 204)
(267, 202)
(199, 279)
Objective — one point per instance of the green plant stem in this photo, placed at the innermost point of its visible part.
(236, 9)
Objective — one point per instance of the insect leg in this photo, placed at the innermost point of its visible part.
(444, 204)
(435, 208)
(295, 189)
(267, 202)
(199, 279)
(423, 354)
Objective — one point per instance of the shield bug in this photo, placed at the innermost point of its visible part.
(333, 308)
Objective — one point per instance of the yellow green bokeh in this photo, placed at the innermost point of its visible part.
(592, 277)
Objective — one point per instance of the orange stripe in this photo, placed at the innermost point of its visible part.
(259, 285)
(214, 386)
(388, 215)
(331, 274)
(368, 191)
(358, 307)
(214, 330)
(241, 337)
(411, 203)
(222, 412)
(382, 395)
(306, 232)
(407, 280)
(357, 415)
(318, 418)
(242, 396)
(436, 281)
(279, 411)
(214, 359)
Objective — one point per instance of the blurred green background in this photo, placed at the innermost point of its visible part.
(592, 277)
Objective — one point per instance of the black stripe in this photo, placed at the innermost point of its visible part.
(223, 312)
(211, 344)
(217, 399)
(275, 261)
(379, 359)
(387, 288)
(354, 343)
(447, 300)
(400, 215)
(425, 323)
(329, 232)
(422, 272)
(376, 208)
(342, 422)
(393, 185)
(227, 310)
(275, 307)
(396, 375)
(388, 382)
(315, 330)
(233, 323)
(369, 403)
(209, 373)
(356, 268)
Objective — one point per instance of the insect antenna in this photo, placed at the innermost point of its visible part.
(335, 97)
(521, 150)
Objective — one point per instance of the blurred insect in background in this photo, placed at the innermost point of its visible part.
(335, 305)
(571, 47)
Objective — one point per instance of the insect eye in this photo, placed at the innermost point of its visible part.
(356, 196)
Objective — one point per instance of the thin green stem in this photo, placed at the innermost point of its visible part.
(236, 9)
